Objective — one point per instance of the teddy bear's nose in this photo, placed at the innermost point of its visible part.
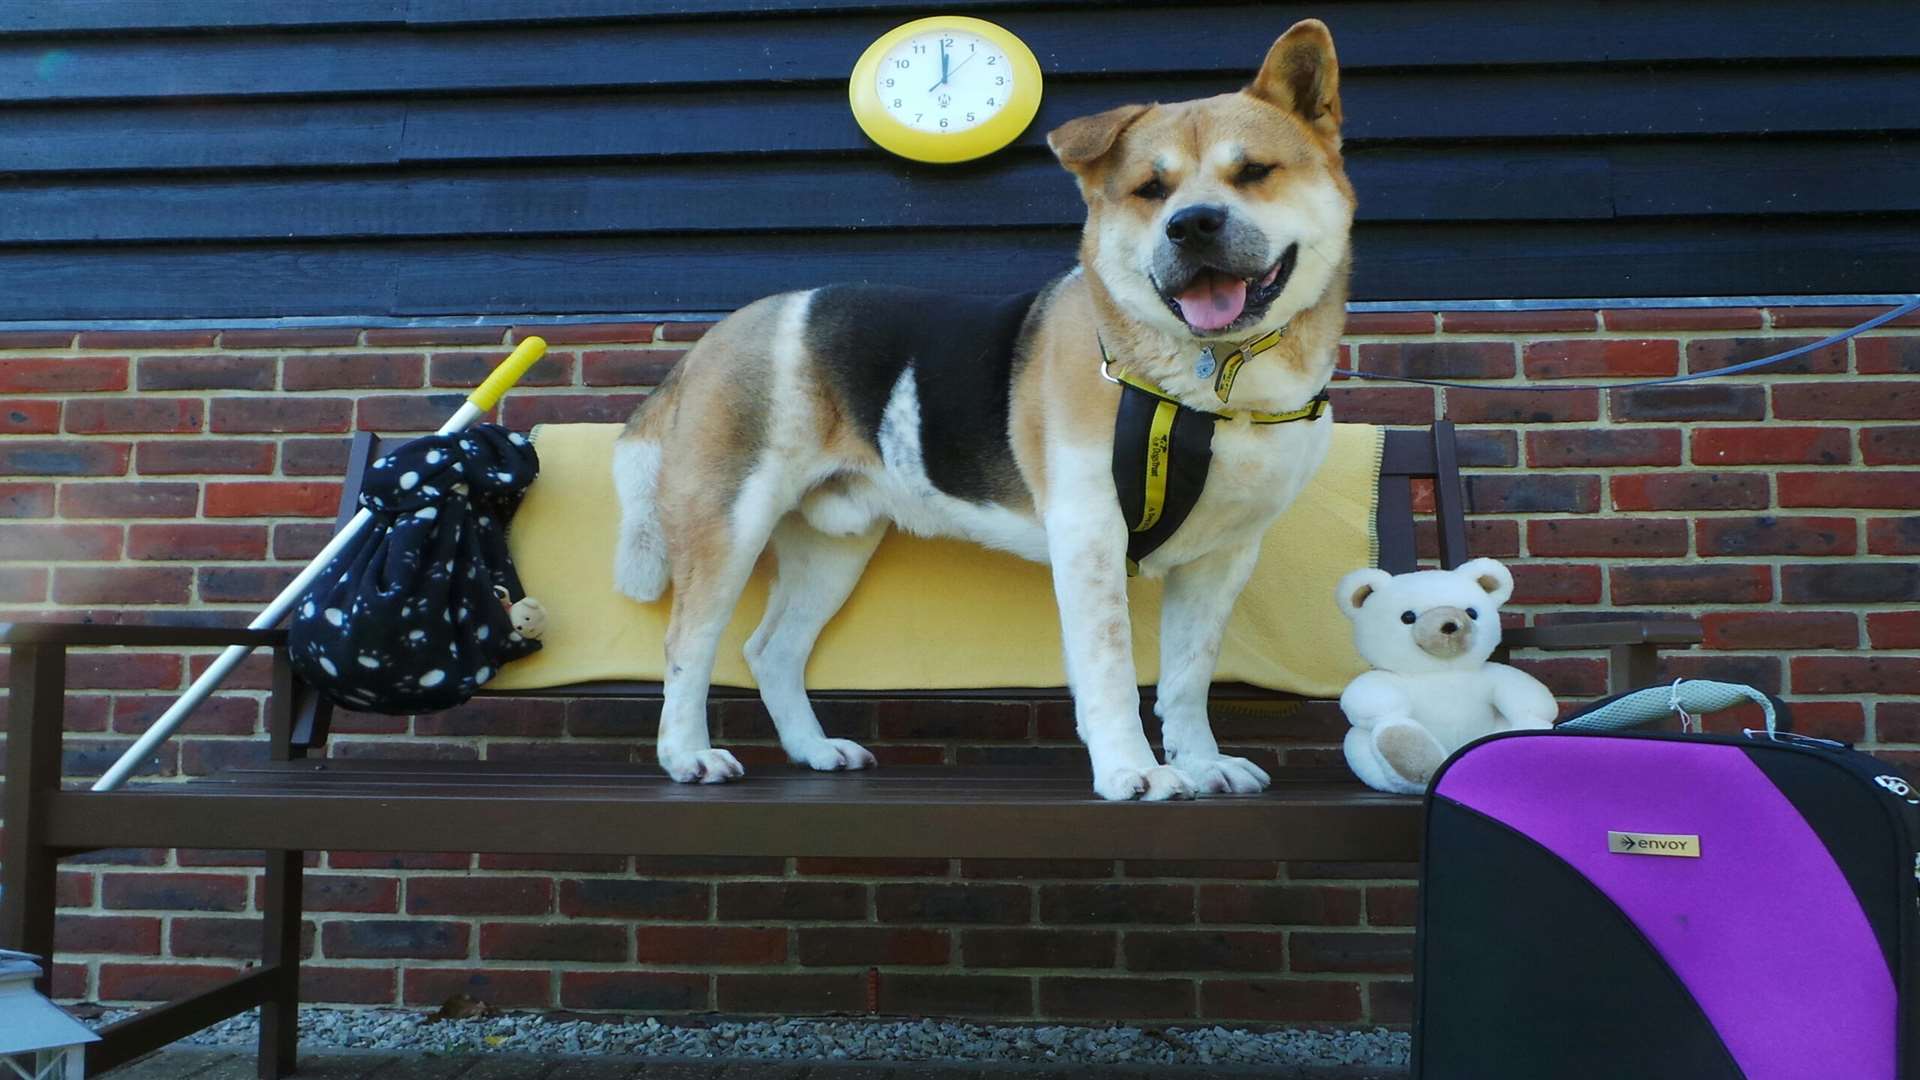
(1443, 632)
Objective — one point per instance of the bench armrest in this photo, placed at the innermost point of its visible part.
(1633, 645)
(1604, 634)
(85, 634)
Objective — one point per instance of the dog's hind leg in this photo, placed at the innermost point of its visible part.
(640, 557)
(816, 573)
(703, 601)
(1193, 615)
(716, 546)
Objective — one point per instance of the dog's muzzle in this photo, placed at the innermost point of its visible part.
(1207, 282)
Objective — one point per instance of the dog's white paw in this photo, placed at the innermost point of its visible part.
(831, 755)
(1155, 784)
(702, 766)
(1221, 774)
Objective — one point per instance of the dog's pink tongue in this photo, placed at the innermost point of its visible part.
(1213, 300)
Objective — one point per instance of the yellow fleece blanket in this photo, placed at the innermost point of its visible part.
(937, 614)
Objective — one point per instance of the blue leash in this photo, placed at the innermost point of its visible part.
(1878, 320)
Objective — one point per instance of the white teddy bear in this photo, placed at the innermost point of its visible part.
(1429, 634)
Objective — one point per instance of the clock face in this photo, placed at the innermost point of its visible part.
(945, 88)
(944, 81)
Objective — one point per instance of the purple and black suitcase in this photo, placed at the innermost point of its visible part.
(1686, 906)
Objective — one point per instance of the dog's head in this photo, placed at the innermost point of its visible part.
(1224, 216)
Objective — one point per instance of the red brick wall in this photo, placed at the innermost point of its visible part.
(148, 474)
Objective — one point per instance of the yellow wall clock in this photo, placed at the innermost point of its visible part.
(946, 88)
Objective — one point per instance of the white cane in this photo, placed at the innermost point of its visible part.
(483, 398)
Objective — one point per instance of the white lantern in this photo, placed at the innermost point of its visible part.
(37, 1040)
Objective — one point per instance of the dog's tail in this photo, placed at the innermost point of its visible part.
(640, 556)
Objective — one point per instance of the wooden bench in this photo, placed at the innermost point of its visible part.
(299, 802)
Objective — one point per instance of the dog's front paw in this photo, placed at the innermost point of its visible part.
(1221, 774)
(830, 755)
(701, 766)
(1155, 784)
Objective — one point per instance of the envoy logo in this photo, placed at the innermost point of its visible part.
(1640, 843)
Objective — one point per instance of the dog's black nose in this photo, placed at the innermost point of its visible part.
(1197, 224)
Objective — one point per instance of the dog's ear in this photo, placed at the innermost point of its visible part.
(1301, 74)
(1080, 142)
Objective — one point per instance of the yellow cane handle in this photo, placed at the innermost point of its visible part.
(488, 394)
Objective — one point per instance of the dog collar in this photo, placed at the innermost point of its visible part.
(1229, 367)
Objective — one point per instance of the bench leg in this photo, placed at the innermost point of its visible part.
(280, 895)
(1632, 667)
(27, 866)
(280, 951)
(27, 921)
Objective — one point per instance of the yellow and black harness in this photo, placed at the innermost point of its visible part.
(1162, 448)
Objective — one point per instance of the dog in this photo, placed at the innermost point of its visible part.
(810, 422)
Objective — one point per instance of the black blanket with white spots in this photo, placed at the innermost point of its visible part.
(406, 619)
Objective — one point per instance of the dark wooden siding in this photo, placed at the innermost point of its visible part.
(235, 158)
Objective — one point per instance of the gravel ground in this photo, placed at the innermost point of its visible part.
(826, 1040)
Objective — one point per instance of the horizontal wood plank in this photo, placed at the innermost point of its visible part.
(1420, 109)
(1370, 32)
(189, 136)
(107, 16)
(1468, 183)
(723, 54)
(1600, 635)
(118, 16)
(86, 635)
(479, 12)
(884, 813)
(1774, 176)
(1725, 257)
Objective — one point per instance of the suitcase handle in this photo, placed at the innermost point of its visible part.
(1686, 697)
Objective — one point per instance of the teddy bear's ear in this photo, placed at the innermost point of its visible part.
(1354, 589)
(1492, 576)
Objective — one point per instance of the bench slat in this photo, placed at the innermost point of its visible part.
(607, 809)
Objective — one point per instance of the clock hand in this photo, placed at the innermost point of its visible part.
(943, 70)
(958, 66)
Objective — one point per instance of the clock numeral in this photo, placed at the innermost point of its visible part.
(947, 41)
(903, 63)
(991, 101)
(999, 80)
(920, 49)
(943, 121)
(897, 103)
(917, 116)
(970, 117)
(992, 60)
(888, 82)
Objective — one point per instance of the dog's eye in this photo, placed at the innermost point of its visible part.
(1472, 613)
(1152, 189)
(1409, 617)
(1252, 173)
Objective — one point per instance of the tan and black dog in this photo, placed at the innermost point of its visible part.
(1213, 272)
